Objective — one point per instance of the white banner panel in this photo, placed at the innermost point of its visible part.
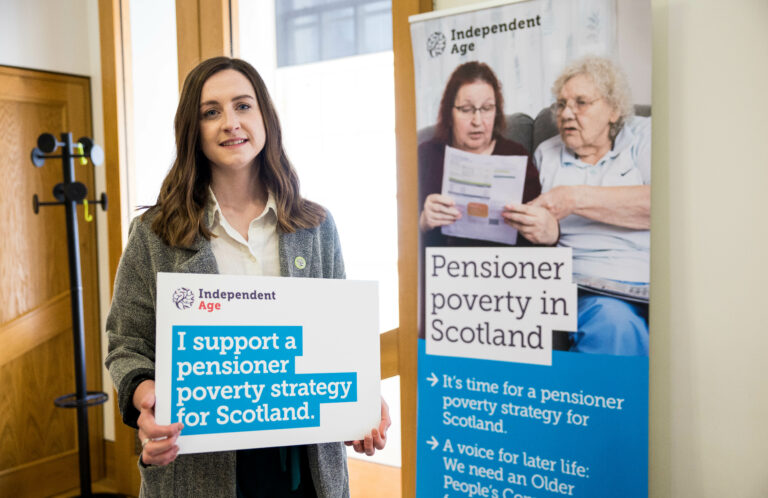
(250, 362)
(526, 43)
(498, 303)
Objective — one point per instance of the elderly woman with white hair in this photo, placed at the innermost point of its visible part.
(595, 177)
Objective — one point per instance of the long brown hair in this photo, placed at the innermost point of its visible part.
(467, 73)
(178, 217)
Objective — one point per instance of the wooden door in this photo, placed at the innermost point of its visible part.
(38, 440)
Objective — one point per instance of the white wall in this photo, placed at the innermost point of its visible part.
(708, 384)
(63, 36)
(39, 34)
(155, 86)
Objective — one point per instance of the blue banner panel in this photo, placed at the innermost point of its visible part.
(495, 429)
(243, 378)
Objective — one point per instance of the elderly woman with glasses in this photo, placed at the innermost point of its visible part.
(471, 118)
(595, 176)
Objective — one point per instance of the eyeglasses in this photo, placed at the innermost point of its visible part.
(468, 111)
(577, 106)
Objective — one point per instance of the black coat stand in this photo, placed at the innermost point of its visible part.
(70, 193)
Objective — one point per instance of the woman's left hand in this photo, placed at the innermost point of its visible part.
(624, 206)
(377, 438)
(533, 222)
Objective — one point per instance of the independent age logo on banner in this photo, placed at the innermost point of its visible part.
(248, 362)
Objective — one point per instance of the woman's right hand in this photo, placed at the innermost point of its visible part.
(438, 211)
(533, 222)
(158, 442)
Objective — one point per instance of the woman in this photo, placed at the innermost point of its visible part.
(229, 204)
(471, 118)
(596, 175)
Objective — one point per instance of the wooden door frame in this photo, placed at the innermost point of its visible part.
(114, 30)
(210, 29)
(407, 223)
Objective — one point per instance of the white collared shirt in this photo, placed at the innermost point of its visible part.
(236, 256)
(599, 249)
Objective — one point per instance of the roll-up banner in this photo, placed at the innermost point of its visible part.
(534, 175)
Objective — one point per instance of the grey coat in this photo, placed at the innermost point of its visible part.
(131, 332)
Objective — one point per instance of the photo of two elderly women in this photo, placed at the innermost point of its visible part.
(586, 187)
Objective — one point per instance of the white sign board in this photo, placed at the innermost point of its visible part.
(498, 303)
(250, 362)
(481, 185)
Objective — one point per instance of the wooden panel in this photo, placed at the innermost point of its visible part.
(32, 428)
(373, 480)
(109, 460)
(59, 472)
(389, 354)
(22, 257)
(215, 32)
(187, 36)
(105, 487)
(407, 207)
(29, 331)
(34, 280)
(203, 30)
(113, 59)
